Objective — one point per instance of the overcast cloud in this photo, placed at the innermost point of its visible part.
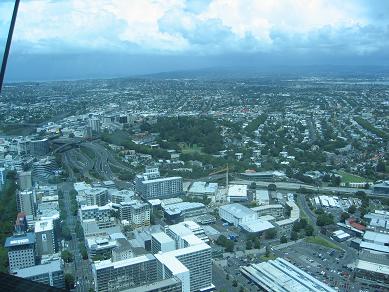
(200, 27)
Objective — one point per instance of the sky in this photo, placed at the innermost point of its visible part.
(72, 39)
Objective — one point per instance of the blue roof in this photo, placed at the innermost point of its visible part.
(19, 240)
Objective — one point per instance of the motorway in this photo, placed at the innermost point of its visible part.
(296, 186)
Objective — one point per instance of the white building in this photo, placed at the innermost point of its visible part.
(135, 212)
(237, 193)
(161, 242)
(96, 196)
(45, 237)
(26, 202)
(236, 214)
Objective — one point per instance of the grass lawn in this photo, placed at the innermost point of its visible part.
(349, 177)
(185, 148)
(321, 241)
(272, 256)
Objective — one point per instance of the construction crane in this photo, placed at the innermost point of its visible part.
(226, 169)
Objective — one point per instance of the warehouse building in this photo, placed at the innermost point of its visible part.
(280, 275)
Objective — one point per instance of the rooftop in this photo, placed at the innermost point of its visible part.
(27, 238)
(203, 187)
(123, 263)
(39, 269)
(44, 225)
(256, 226)
(162, 237)
(238, 210)
(161, 179)
(373, 267)
(279, 275)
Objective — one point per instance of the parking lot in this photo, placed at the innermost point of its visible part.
(326, 264)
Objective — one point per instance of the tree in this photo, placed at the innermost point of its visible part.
(67, 256)
(294, 236)
(227, 277)
(352, 209)
(325, 219)
(257, 243)
(235, 283)
(283, 239)
(344, 216)
(267, 253)
(303, 223)
(309, 230)
(381, 166)
(271, 187)
(270, 233)
(65, 232)
(249, 244)
(69, 281)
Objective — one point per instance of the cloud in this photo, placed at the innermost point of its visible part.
(202, 27)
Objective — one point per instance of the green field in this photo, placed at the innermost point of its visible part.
(185, 148)
(321, 241)
(349, 177)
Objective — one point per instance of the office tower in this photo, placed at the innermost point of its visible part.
(96, 196)
(162, 242)
(124, 274)
(192, 265)
(25, 201)
(39, 147)
(50, 274)
(159, 188)
(25, 180)
(45, 237)
(2, 177)
(21, 250)
(135, 212)
(94, 124)
(102, 215)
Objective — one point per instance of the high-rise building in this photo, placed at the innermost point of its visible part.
(159, 188)
(39, 147)
(135, 212)
(102, 215)
(25, 202)
(45, 237)
(2, 177)
(160, 241)
(25, 180)
(94, 124)
(50, 274)
(21, 250)
(124, 274)
(192, 265)
(96, 196)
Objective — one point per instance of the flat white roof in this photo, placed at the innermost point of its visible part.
(162, 237)
(43, 225)
(123, 263)
(281, 276)
(237, 190)
(381, 238)
(237, 210)
(256, 226)
(161, 179)
(373, 267)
